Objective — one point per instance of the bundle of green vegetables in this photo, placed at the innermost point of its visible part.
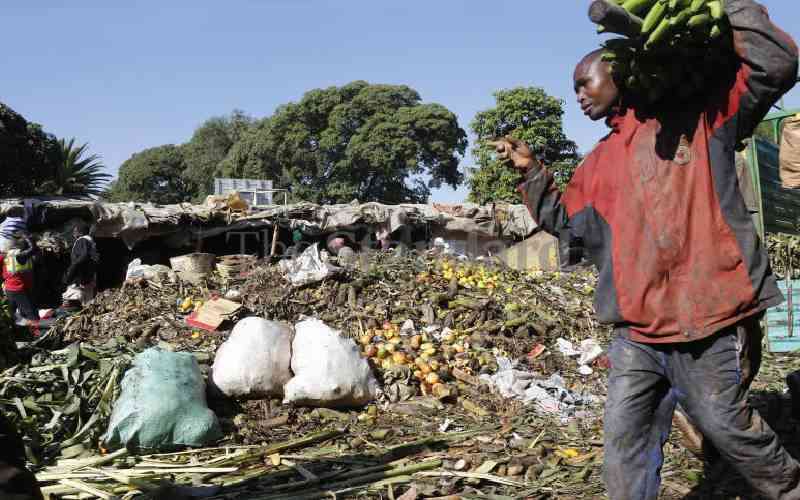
(673, 48)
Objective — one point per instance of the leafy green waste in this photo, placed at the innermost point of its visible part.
(61, 400)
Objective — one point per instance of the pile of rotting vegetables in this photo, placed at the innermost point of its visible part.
(437, 331)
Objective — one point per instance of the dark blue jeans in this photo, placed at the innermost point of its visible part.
(705, 377)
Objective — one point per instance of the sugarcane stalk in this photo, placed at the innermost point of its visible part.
(316, 493)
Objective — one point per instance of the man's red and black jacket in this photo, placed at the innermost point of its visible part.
(658, 207)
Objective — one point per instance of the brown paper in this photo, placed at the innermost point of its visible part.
(790, 154)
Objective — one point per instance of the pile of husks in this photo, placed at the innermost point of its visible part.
(430, 324)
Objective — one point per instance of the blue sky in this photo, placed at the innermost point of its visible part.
(129, 75)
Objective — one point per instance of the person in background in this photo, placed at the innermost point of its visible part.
(297, 245)
(17, 272)
(81, 277)
(8, 228)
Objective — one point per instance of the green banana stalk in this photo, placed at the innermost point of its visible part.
(679, 51)
(681, 19)
(699, 20)
(716, 10)
(696, 5)
(654, 17)
(636, 7)
(658, 33)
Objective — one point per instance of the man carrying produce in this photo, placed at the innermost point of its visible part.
(683, 276)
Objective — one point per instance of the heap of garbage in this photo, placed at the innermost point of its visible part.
(388, 374)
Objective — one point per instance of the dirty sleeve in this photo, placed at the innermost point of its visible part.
(549, 207)
(767, 67)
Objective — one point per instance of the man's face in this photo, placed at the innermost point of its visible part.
(595, 89)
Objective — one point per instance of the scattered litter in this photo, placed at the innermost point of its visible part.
(567, 348)
(589, 351)
(407, 328)
(156, 273)
(213, 313)
(309, 267)
(234, 295)
(550, 395)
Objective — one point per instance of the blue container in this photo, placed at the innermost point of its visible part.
(780, 337)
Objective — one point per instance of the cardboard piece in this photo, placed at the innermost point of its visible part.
(212, 314)
(790, 155)
(537, 253)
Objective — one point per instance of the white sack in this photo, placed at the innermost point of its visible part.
(254, 362)
(329, 369)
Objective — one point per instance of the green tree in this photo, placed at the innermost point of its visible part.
(75, 173)
(528, 114)
(360, 141)
(154, 175)
(28, 155)
(208, 146)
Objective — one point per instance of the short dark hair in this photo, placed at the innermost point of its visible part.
(591, 56)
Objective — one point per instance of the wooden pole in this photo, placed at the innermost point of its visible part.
(274, 240)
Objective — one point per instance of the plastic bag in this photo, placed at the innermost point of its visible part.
(549, 396)
(309, 267)
(135, 270)
(157, 273)
(162, 404)
(254, 363)
(329, 369)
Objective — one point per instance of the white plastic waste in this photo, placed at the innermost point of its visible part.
(566, 347)
(549, 396)
(309, 267)
(589, 351)
(408, 328)
(254, 363)
(329, 369)
(135, 269)
(157, 273)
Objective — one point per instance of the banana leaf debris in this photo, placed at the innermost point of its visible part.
(439, 333)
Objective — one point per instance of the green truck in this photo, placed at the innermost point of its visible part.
(775, 210)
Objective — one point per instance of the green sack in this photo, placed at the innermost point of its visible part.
(162, 405)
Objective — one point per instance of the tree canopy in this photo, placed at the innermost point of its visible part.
(28, 155)
(528, 114)
(209, 146)
(154, 175)
(359, 141)
(75, 172)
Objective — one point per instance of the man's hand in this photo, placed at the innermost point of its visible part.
(514, 152)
